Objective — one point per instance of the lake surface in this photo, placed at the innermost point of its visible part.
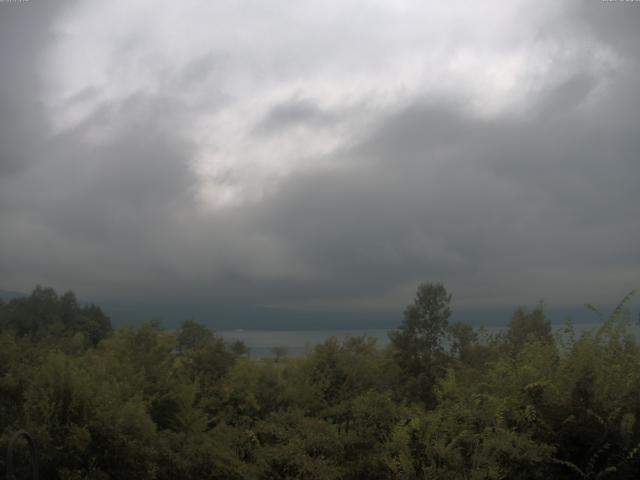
(260, 342)
(298, 342)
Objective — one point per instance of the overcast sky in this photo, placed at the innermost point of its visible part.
(321, 155)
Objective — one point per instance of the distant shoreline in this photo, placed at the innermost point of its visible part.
(298, 342)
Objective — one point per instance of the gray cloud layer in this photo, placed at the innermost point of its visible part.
(508, 207)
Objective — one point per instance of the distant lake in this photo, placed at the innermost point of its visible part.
(260, 342)
(298, 342)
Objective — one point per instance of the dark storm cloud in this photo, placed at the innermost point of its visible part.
(111, 197)
(481, 203)
(293, 113)
(82, 208)
(200, 69)
(24, 33)
(613, 22)
(132, 176)
(505, 208)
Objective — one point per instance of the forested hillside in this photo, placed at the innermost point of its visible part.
(442, 401)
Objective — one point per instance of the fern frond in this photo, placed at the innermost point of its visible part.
(609, 322)
(606, 471)
(618, 310)
(571, 466)
(594, 458)
(595, 310)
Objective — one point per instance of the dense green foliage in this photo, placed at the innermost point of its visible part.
(440, 402)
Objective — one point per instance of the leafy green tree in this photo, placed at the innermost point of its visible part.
(45, 316)
(193, 336)
(151, 403)
(249, 394)
(204, 356)
(279, 351)
(464, 342)
(528, 326)
(295, 446)
(418, 341)
(337, 372)
(369, 449)
(595, 417)
(93, 324)
(239, 348)
(195, 456)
